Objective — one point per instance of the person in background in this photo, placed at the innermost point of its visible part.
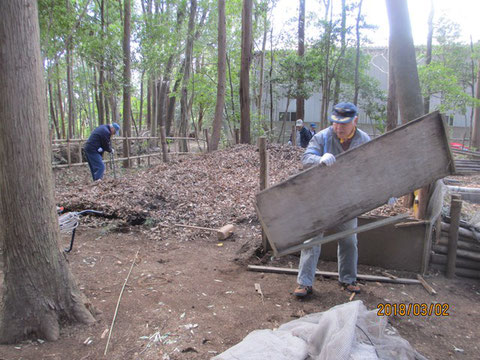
(341, 136)
(302, 133)
(99, 142)
(313, 126)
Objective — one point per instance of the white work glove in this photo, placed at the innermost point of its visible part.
(100, 149)
(327, 159)
(289, 142)
(113, 151)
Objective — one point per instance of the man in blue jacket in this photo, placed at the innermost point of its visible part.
(96, 145)
(341, 136)
(302, 133)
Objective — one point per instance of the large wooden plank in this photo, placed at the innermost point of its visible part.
(362, 179)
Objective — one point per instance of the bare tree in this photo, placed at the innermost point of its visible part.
(39, 289)
(245, 72)
(222, 72)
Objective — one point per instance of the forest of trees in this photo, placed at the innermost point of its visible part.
(156, 66)
(177, 62)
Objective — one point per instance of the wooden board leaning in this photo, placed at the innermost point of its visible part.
(398, 162)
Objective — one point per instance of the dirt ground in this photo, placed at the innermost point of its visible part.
(190, 296)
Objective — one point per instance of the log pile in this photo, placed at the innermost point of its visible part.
(466, 161)
(468, 252)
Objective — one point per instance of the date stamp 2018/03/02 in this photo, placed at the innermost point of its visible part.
(415, 309)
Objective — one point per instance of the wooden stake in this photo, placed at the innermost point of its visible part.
(455, 210)
(262, 149)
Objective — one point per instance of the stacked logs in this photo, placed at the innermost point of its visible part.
(467, 262)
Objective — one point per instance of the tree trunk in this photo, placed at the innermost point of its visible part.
(60, 104)
(127, 128)
(232, 100)
(140, 115)
(222, 56)
(270, 87)
(357, 55)
(262, 74)
(326, 70)
(343, 41)
(52, 109)
(392, 103)
(101, 70)
(301, 51)
(245, 72)
(172, 102)
(184, 115)
(476, 117)
(404, 61)
(149, 103)
(39, 289)
(428, 58)
(405, 69)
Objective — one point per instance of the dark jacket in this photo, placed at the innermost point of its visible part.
(305, 137)
(99, 138)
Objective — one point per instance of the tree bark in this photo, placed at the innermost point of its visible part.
(184, 114)
(301, 51)
(392, 104)
(39, 290)
(404, 61)
(405, 70)
(245, 72)
(222, 58)
(127, 128)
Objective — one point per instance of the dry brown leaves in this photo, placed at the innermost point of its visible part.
(208, 190)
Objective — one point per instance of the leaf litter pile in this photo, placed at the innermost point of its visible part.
(207, 190)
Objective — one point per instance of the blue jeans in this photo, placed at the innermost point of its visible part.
(95, 162)
(347, 253)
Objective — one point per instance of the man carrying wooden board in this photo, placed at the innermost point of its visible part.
(341, 136)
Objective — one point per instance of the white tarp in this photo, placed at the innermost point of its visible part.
(344, 332)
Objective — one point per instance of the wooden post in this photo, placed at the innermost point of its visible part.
(69, 154)
(294, 135)
(207, 140)
(262, 149)
(127, 143)
(237, 136)
(80, 152)
(455, 210)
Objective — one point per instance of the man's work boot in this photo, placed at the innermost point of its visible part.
(301, 291)
(353, 287)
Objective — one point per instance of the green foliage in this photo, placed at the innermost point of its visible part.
(449, 75)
